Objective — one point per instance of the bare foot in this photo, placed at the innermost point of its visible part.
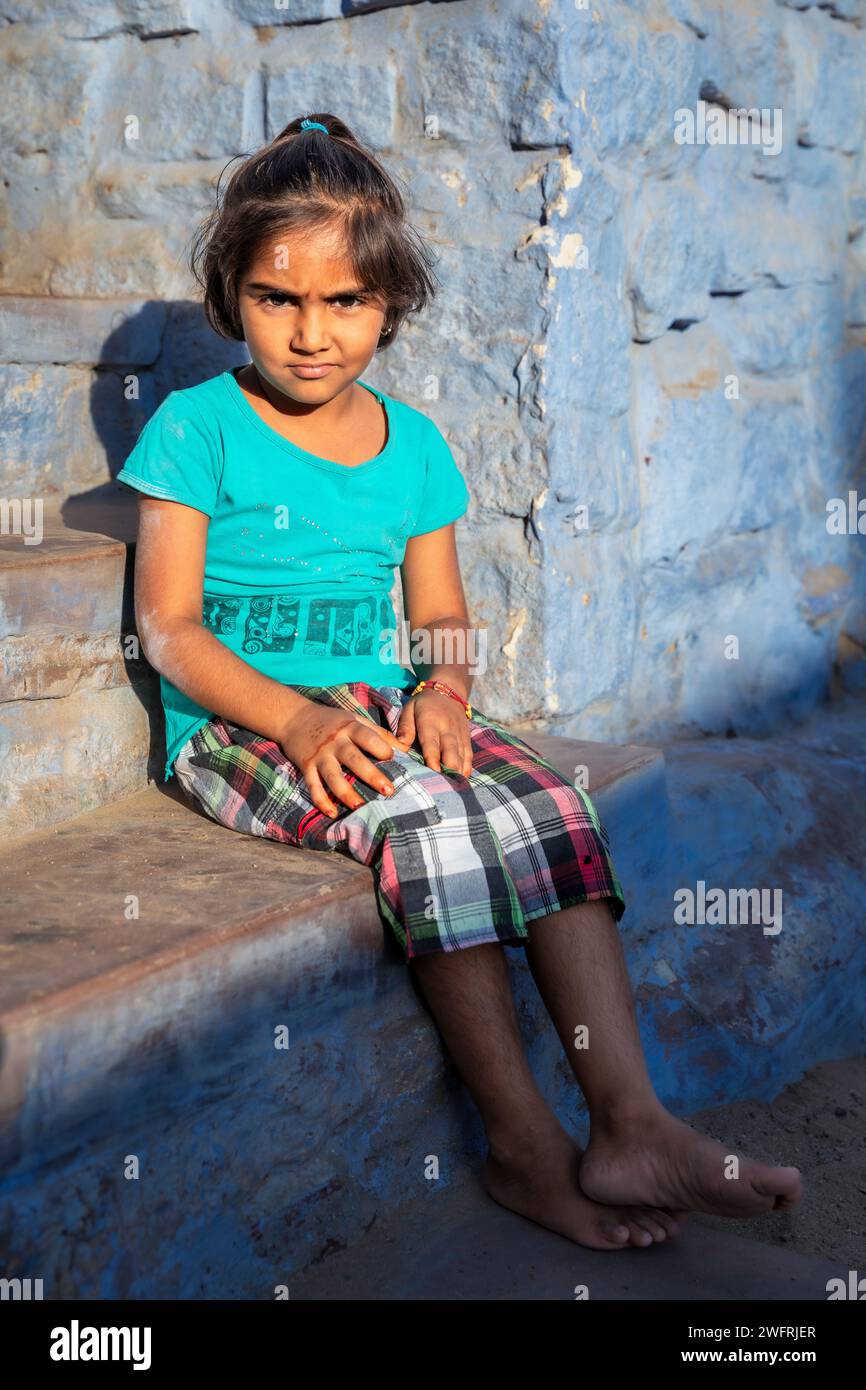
(541, 1183)
(659, 1160)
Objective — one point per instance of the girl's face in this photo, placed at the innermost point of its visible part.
(302, 308)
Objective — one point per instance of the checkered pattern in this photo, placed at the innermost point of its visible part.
(456, 860)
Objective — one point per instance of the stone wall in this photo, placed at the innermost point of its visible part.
(648, 352)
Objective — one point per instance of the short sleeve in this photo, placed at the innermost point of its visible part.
(175, 457)
(446, 496)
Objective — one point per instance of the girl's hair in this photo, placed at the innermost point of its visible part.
(305, 180)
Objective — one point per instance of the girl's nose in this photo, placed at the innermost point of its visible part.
(308, 332)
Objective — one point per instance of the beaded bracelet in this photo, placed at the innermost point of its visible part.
(446, 690)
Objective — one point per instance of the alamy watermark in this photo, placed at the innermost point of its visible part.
(735, 125)
(459, 646)
(20, 1290)
(728, 907)
(22, 516)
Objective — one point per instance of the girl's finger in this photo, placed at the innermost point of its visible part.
(318, 794)
(338, 784)
(379, 743)
(429, 740)
(451, 751)
(406, 725)
(355, 759)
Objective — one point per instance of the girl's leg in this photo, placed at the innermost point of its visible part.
(638, 1151)
(532, 1165)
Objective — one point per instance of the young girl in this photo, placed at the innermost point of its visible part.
(276, 502)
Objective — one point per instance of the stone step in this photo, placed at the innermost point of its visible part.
(72, 577)
(80, 717)
(152, 956)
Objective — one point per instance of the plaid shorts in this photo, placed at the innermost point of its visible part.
(456, 860)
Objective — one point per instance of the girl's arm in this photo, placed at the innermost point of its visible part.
(169, 583)
(433, 599)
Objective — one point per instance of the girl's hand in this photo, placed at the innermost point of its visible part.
(442, 730)
(321, 740)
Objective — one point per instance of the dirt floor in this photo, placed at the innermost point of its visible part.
(818, 1125)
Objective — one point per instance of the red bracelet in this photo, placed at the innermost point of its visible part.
(446, 690)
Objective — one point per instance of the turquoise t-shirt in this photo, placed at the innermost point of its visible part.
(301, 551)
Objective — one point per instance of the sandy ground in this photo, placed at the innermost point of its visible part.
(817, 1124)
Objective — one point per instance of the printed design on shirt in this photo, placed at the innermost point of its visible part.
(345, 627)
(319, 626)
(272, 623)
(220, 614)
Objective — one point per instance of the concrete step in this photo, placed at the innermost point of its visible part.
(80, 717)
(152, 956)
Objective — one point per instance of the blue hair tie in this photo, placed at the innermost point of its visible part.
(314, 125)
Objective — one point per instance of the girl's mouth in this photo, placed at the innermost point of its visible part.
(311, 373)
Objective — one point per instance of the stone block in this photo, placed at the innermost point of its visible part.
(620, 120)
(186, 104)
(771, 234)
(68, 755)
(829, 81)
(102, 19)
(47, 330)
(671, 265)
(93, 426)
(778, 333)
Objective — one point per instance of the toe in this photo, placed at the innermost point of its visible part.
(782, 1185)
(665, 1219)
(615, 1232)
(647, 1219)
(655, 1228)
(639, 1232)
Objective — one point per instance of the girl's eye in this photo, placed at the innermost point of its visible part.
(345, 301)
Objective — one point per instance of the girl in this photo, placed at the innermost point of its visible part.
(276, 502)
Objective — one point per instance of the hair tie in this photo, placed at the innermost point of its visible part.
(314, 125)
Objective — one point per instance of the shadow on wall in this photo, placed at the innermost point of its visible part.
(156, 348)
(159, 348)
